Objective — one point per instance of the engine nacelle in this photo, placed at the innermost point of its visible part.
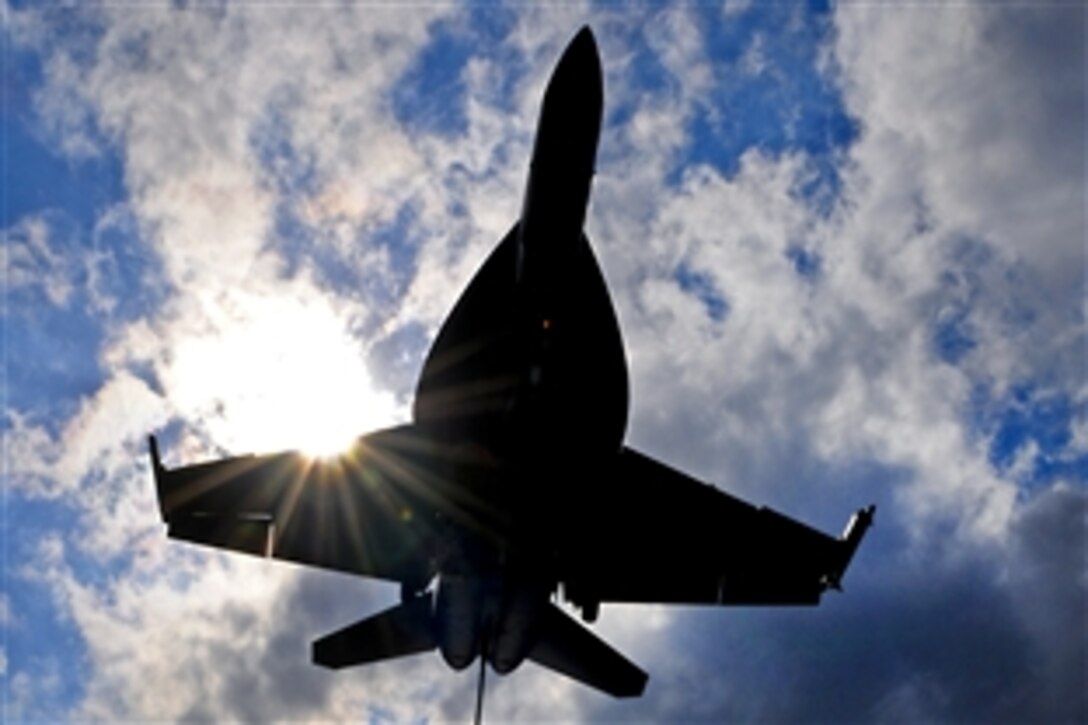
(459, 619)
(498, 619)
(516, 627)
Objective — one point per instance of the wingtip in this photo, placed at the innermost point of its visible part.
(850, 540)
(158, 471)
(153, 449)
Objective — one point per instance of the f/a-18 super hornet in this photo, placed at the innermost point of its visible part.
(511, 490)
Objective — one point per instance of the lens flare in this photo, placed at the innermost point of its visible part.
(280, 374)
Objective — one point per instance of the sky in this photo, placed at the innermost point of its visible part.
(845, 242)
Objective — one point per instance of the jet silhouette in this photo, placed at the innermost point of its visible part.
(512, 488)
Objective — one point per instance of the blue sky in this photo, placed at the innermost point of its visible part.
(845, 243)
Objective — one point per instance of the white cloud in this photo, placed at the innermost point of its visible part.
(1078, 444)
(25, 694)
(735, 7)
(754, 60)
(984, 140)
(68, 114)
(180, 93)
(794, 357)
(802, 376)
(35, 258)
(120, 413)
(676, 38)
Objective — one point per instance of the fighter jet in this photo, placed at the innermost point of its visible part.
(511, 492)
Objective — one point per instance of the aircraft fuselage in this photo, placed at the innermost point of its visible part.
(528, 372)
(512, 481)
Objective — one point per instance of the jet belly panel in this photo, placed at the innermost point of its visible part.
(458, 611)
(531, 374)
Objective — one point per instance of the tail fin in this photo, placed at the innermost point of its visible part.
(158, 470)
(570, 649)
(405, 629)
(851, 538)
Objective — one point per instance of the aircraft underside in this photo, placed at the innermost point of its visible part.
(511, 493)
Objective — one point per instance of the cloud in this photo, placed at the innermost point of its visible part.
(812, 354)
(181, 95)
(809, 376)
(121, 412)
(37, 258)
(983, 141)
(1048, 579)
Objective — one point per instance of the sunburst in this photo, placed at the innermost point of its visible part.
(280, 375)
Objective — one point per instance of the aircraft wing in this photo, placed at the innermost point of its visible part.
(372, 511)
(659, 535)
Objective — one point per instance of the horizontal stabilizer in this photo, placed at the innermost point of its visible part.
(570, 649)
(405, 629)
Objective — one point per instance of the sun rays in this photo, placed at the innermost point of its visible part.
(280, 374)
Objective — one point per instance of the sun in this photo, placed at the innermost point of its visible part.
(282, 374)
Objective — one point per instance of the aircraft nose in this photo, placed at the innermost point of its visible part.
(570, 118)
(584, 45)
(580, 65)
